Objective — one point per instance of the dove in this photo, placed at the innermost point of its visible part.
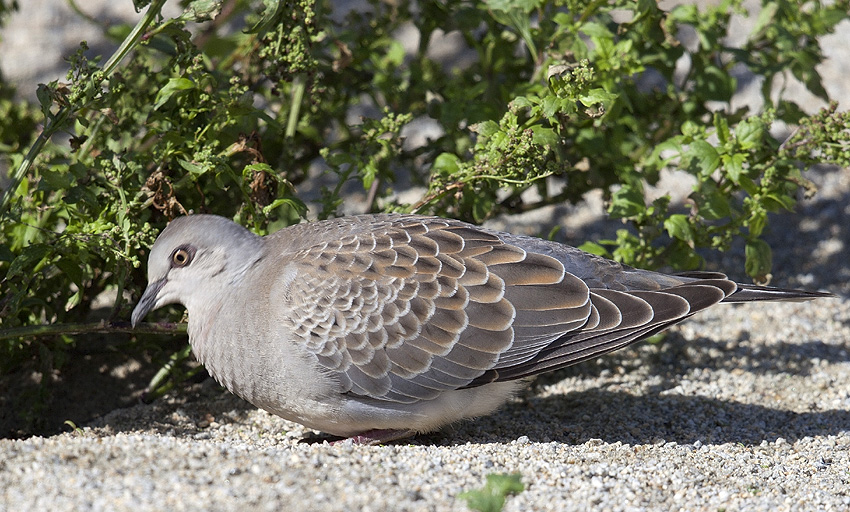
(380, 327)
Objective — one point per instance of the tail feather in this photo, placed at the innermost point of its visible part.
(754, 293)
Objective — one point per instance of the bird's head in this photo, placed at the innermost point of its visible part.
(193, 259)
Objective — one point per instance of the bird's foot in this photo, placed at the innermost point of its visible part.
(377, 436)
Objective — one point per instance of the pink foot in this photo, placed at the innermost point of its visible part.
(377, 436)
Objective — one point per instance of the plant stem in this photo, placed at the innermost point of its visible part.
(58, 121)
(95, 327)
(298, 86)
(133, 38)
(160, 384)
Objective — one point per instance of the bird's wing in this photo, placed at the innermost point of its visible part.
(407, 309)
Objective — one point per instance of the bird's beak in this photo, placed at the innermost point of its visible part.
(148, 300)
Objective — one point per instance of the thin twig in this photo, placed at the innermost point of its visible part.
(31, 331)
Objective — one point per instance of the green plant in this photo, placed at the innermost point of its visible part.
(491, 497)
(237, 114)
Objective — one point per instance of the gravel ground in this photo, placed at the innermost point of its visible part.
(741, 408)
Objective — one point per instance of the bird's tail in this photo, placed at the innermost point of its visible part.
(754, 293)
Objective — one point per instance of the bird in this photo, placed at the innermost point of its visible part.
(380, 327)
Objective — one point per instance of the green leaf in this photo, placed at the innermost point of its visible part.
(192, 167)
(394, 55)
(257, 167)
(627, 201)
(597, 96)
(756, 223)
(57, 178)
(672, 146)
(202, 10)
(714, 205)
(703, 156)
(682, 256)
(28, 259)
(715, 84)
(765, 18)
(514, 14)
(679, 226)
(74, 300)
(748, 185)
(525, 6)
(73, 269)
(482, 208)
(734, 166)
(595, 248)
(721, 127)
(545, 136)
(775, 202)
(446, 164)
(759, 259)
(293, 203)
(174, 86)
(486, 128)
(596, 30)
(45, 99)
(273, 10)
(551, 106)
(520, 103)
(749, 132)
(803, 69)
(491, 498)
(506, 483)
(368, 173)
(686, 13)
(626, 246)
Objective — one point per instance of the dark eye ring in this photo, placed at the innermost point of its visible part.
(181, 257)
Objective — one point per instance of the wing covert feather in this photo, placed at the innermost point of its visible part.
(405, 309)
(402, 308)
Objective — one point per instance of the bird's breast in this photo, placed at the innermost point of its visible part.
(256, 358)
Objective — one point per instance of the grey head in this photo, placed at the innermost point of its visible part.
(192, 258)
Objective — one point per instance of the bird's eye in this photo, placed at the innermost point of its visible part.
(181, 257)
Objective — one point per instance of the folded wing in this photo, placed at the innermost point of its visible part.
(404, 308)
